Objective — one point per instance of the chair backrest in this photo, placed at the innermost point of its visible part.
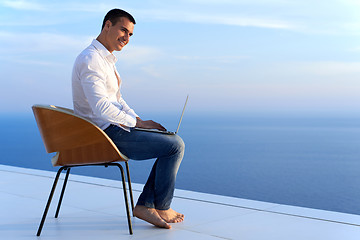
(76, 139)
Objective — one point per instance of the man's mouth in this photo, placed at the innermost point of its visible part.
(122, 44)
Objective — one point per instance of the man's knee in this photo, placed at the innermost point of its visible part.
(178, 144)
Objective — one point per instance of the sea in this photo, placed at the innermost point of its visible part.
(307, 160)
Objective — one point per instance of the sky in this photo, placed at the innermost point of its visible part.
(231, 56)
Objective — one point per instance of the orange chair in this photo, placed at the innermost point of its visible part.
(77, 142)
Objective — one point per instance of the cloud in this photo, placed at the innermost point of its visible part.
(319, 17)
(135, 54)
(174, 13)
(355, 49)
(212, 59)
(237, 2)
(11, 42)
(352, 2)
(302, 16)
(214, 18)
(27, 61)
(307, 16)
(298, 72)
(58, 6)
(240, 21)
(323, 68)
(23, 5)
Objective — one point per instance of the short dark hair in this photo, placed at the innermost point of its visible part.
(114, 15)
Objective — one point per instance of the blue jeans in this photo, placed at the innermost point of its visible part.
(168, 151)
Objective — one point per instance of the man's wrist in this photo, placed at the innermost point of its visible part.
(138, 122)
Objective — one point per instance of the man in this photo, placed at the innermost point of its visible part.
(96, 96)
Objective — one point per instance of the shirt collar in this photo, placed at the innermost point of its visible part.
(103, 51)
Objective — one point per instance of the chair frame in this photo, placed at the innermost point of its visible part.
(67, 168)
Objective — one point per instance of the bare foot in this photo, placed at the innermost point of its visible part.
(171, 216)
(150, 215)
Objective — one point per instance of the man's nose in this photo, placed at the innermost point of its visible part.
(127, 37)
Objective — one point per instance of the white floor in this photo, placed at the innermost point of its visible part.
(93, 208)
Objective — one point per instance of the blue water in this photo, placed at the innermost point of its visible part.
(303, 161)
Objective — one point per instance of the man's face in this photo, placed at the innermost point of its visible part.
(118, 35)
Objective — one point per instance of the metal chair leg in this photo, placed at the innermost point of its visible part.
(62, 191)
(49, 201)
(64, 187)
(130, 188)
(125, 196)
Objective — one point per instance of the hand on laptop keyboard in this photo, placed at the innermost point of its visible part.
(149, 124)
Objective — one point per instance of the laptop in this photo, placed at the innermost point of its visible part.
(166, 132)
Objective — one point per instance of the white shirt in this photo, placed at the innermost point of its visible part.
(96, 89)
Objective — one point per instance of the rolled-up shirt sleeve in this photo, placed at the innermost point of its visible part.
(127, 109)
(93, 82)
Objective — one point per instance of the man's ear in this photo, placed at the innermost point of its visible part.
(107, 25)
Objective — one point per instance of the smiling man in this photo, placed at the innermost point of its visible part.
(96, 96)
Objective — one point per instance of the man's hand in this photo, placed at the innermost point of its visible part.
(149, 124)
